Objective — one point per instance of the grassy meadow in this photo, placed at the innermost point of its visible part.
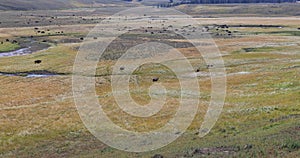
(260, 118)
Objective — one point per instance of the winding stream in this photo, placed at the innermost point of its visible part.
(28, 47)
(32, 74)
(23, 51)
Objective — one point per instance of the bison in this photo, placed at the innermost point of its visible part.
(209, 66)
(155, 79)
(38, 61)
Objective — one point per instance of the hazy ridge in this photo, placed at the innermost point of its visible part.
(55, 4)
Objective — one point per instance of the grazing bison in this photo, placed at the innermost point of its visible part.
(157, 156)
(224, 26)
(209, 66)
(198, 70)
(155, 79)
(122, 68)
(38, 61)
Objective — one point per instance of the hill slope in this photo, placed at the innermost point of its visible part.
(54, 4)
(33, 4)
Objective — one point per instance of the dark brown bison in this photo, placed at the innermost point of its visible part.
(38, 61)
(155, 79)
(157, 156)
(209, 66)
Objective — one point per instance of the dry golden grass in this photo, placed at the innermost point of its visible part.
(37, 111)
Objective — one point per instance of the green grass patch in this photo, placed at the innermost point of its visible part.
(7, 46)
(262, 49)
(282, 33)
(291, 144)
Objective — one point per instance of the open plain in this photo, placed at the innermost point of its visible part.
(261, 53)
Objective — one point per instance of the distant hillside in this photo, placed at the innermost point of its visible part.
(171, 3)
(232, 1)
(55, 4)
(66, 4)
(33, 4)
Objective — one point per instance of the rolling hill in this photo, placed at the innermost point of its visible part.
(55, 4)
